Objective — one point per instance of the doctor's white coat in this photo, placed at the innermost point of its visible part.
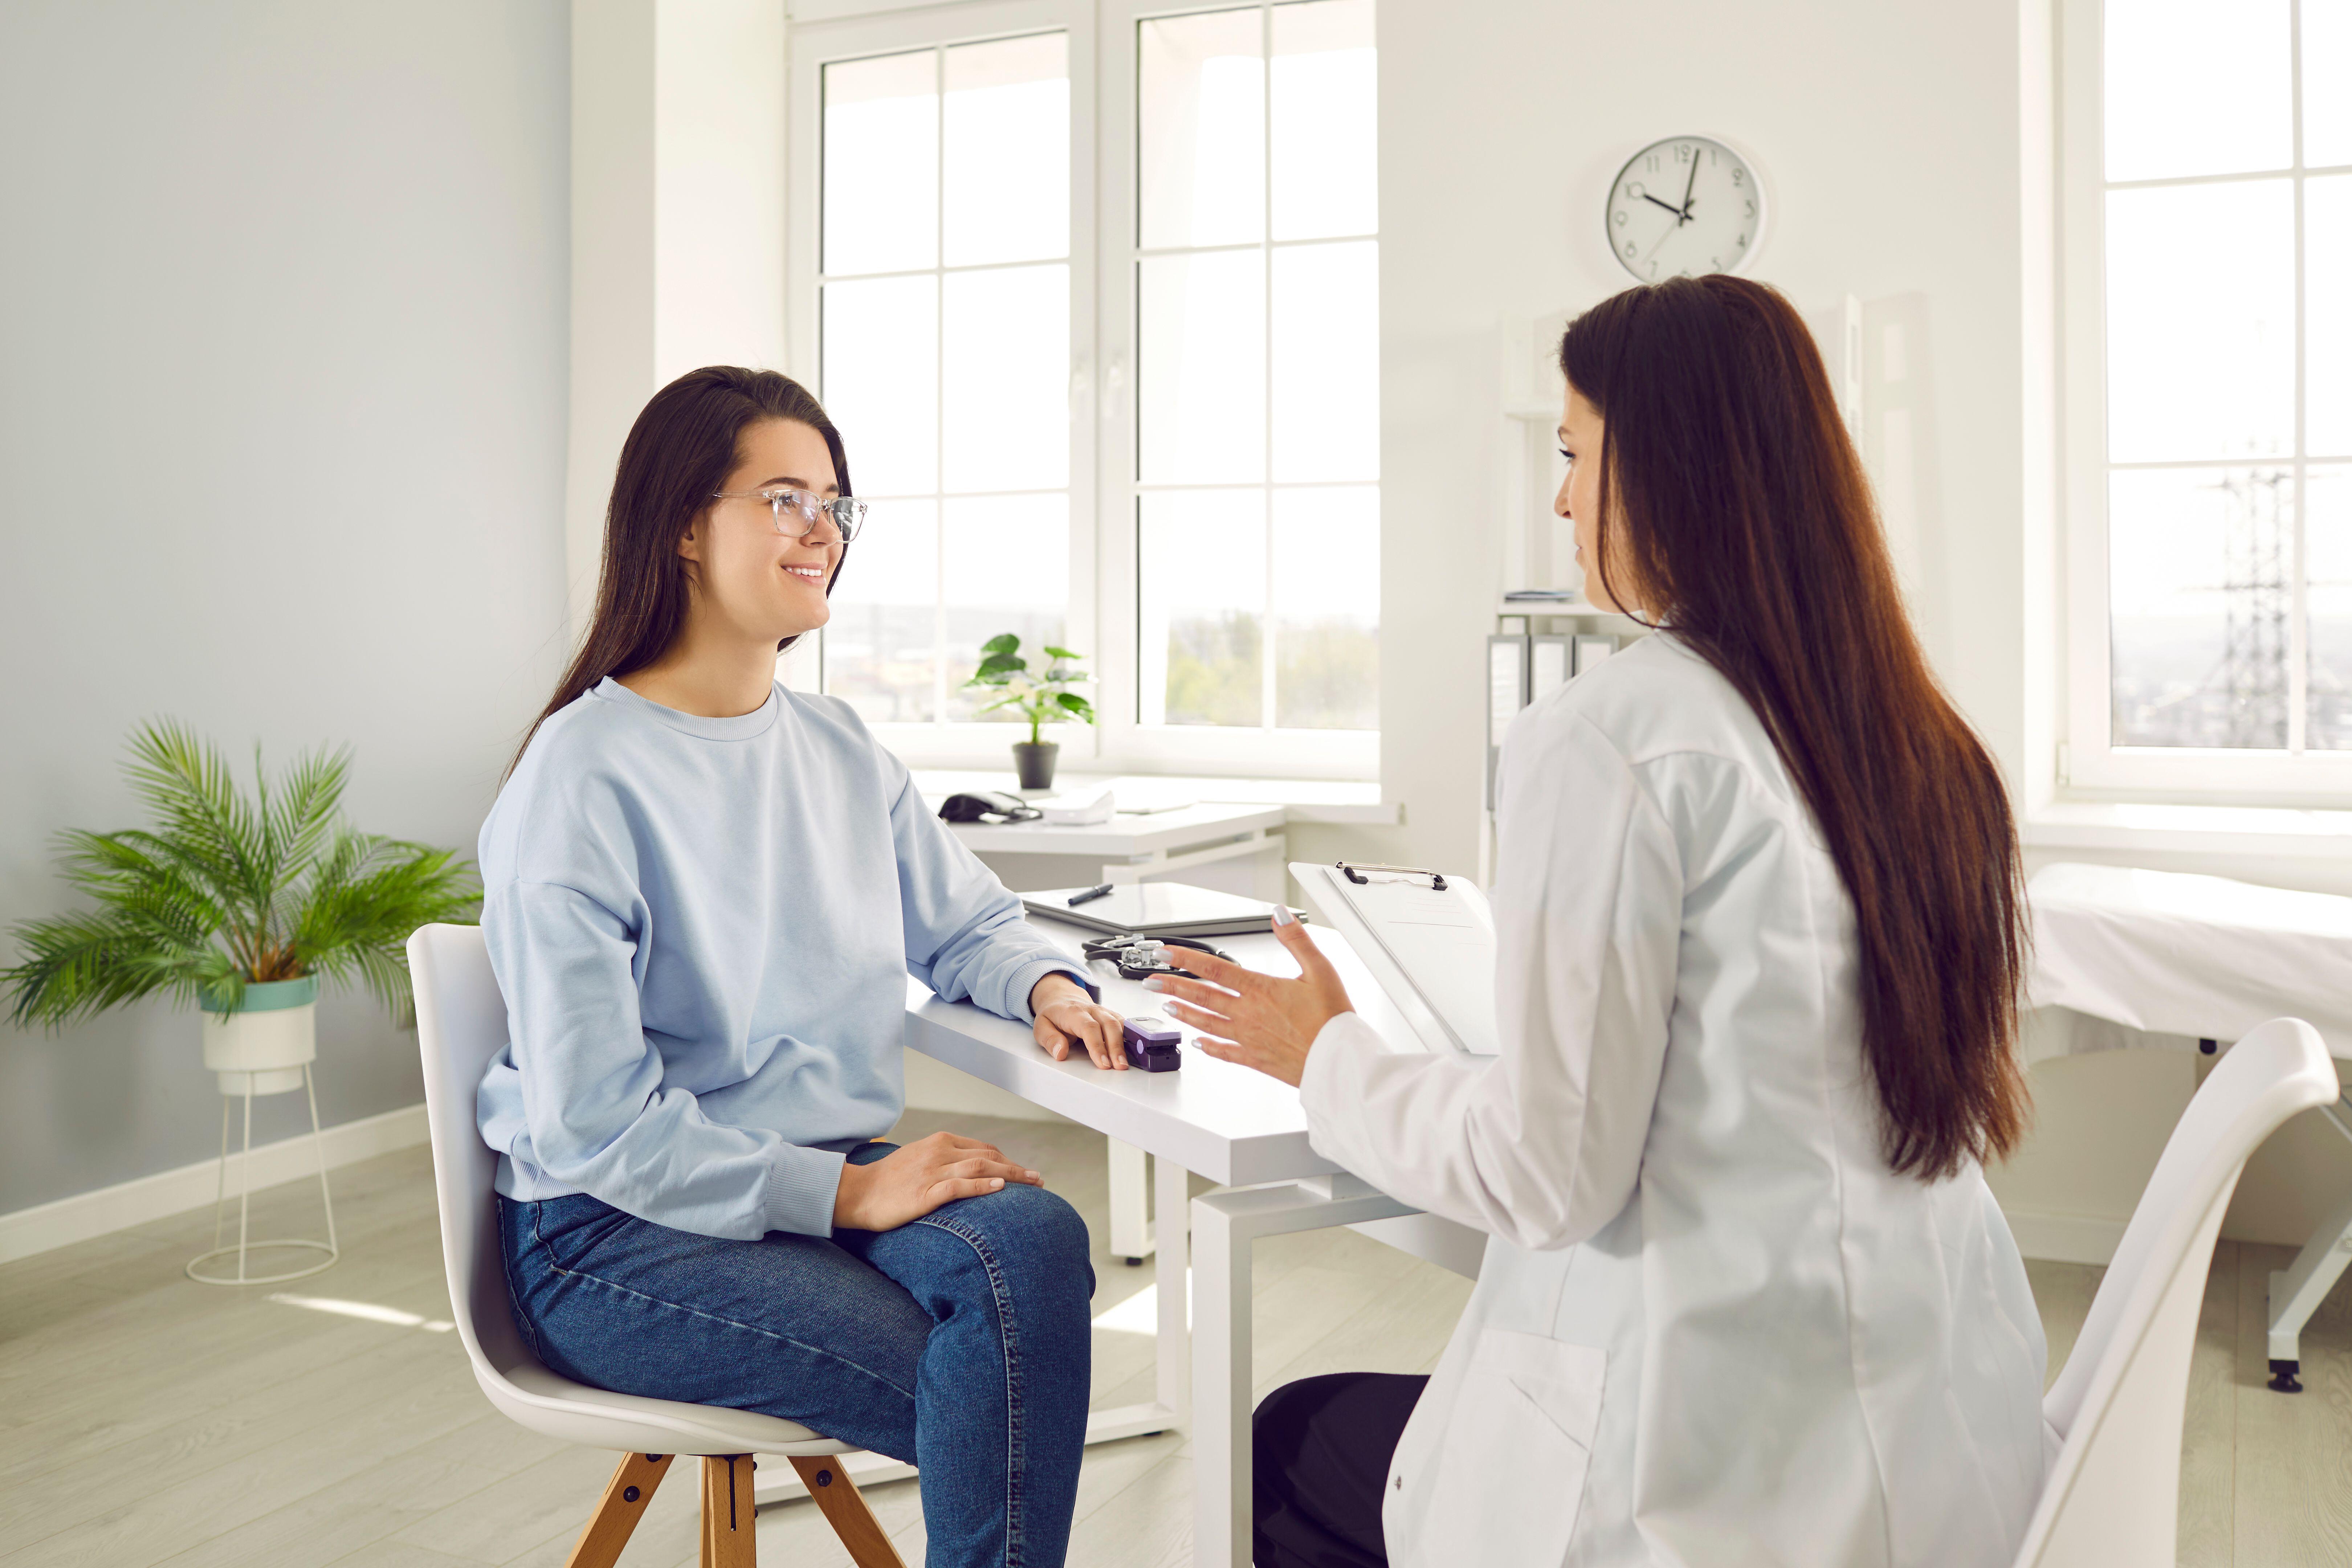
(1712, 1327)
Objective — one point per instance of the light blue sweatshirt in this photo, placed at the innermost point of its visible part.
(701, 927)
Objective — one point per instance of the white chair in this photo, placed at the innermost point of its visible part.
(2113, 1496)
(461, 1023)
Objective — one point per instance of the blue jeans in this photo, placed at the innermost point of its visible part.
(961, 1343)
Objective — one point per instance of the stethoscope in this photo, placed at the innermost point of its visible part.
(1139, 957)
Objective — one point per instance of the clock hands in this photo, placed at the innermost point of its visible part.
(1712, 245)
(1663, 236)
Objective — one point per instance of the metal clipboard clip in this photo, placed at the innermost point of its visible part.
(1355, 875)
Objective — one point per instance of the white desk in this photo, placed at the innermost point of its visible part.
(1232, 847)
(1228, 835)
(1237, 1128)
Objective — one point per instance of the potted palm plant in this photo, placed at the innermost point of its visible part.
(1042, 698)
(241, 905)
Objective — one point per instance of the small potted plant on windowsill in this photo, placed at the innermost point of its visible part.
(1042, 698)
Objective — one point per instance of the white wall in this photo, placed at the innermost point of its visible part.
(282, 391)
(677, 221)
(1887, 133)
(1907, 148)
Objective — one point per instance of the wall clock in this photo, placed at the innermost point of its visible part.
(1684, 207)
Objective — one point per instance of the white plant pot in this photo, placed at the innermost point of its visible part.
(262, 1047)
(265, 1047)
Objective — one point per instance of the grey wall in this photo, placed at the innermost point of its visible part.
(282, 408)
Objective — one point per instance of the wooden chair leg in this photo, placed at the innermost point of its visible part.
(844, 1510)
(730, 1537)
(625, 1496)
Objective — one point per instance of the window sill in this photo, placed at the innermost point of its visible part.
(2274, 830)
(1305, 800)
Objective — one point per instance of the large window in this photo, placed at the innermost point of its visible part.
(1093, 295)
(2208, 166)
(1257, 312)
(944, 357)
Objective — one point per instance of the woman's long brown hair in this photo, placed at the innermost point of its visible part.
(681, 448)
(1731, 500)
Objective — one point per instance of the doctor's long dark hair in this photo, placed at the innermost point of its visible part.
(1733, 507)
(681, 448)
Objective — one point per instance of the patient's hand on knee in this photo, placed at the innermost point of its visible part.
(908, 1182)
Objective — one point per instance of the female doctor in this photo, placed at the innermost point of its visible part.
(1747, 1299)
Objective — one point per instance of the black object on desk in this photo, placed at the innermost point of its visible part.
(1151, 1044)
(987, 805)
(1140, 957)
(1090, 895)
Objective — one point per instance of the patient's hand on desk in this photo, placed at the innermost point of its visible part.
(1067, 1016)
(1259, 1020)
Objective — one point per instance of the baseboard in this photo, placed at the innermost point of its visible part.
(126, 1204)
(2065, 1237)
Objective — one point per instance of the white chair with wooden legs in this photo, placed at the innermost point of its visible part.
(2117, 1409)
(461, 1023)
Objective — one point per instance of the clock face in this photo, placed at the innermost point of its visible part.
(1684, 207)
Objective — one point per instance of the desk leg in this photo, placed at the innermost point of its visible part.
(2296, 1293)
(1225, 1226)
(1174, 1339)
(1130, 1227)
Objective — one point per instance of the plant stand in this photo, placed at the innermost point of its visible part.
(266, 1047)
(246, 1245)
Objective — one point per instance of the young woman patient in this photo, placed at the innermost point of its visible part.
(702, 894)
(1747, 1299)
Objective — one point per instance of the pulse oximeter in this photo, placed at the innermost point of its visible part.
(1151, 1044)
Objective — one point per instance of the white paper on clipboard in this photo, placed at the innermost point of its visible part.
(1433, 951)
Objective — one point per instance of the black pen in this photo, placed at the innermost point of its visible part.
(1092, 892)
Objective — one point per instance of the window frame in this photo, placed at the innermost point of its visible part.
(2090, 764)
(1103, 616)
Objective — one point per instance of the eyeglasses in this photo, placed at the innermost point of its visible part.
(796, 511)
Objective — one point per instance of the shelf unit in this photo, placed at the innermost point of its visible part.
(1539, 549)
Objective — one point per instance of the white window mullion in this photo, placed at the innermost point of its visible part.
(2298, 661)
(939, 389)
(1117, 567)
(1265, 259)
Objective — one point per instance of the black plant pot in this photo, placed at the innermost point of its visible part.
(1034, 760)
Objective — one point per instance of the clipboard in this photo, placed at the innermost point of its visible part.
(1428, 939)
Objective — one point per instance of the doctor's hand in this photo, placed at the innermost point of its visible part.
(1259, 1020)
(1067, 1016)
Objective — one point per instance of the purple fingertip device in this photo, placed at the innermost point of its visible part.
(1152, 1043)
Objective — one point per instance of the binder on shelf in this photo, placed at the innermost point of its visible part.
(1550, 661)
(1507, 693)
(1591, 649)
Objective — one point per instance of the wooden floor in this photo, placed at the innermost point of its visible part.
(148, 1420)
